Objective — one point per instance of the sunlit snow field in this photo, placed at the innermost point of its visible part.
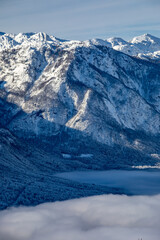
(105, 217)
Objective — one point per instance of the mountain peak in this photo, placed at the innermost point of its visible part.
(116, 41)
(148, 35)
(145, 37)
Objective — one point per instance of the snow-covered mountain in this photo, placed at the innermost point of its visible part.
(145, 46)
(74, 99)
(48, 85)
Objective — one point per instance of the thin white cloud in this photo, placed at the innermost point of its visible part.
(80, 19)
(107, 217)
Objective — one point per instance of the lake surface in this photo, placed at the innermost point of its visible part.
(137, 182)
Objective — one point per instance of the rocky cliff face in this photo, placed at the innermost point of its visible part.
(54, 89)
(71, 105)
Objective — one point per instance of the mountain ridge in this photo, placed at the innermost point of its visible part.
(43, 77)
(145, 46)
(72, 105)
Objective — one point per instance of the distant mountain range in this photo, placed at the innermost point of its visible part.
(145, 46)
(68, 105)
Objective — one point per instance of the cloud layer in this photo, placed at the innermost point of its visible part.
(140, 182)
(112, 217)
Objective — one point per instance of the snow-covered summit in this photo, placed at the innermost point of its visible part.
(8, 41)
(38, 72)
(68, 105)
(85, 88)
(116, 41)
(73, 105)
(146, 43)
(145, 39)
(145, 46)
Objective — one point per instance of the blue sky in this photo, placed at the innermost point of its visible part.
(81, 19)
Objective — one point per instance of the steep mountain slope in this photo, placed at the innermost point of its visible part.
(27, 175)
(46, 85)
(66, 104)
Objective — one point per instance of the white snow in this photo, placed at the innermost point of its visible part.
(142, 46)
(65, 155)
(86, 155)
(37, 72)
(155, 155)
(157, 166)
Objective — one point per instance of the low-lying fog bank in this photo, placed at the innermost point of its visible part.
(113, 217)
(136, 182)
